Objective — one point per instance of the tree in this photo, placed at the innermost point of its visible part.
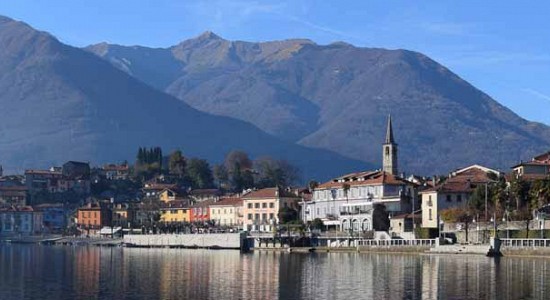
(177, 163)
(380, 218)
(519, 192)
(312, 185)
(461, 215)
(221, 175)
(271, 172)
(317, 224)
(238, 166)
(346, 188)
(237, 158)
(199, 173)
(287, 215)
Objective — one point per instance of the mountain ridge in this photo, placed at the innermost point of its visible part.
(67, 104)
(336, 97)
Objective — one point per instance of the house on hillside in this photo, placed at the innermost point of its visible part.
(537, 168)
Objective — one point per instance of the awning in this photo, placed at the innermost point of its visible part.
(109, 230)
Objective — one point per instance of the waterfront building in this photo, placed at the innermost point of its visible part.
(175, 212)
(93, 216)
(54, 216)
(227, 212)
(349, 202)
(124, 215)
(200, 211)
(21, 220)
(454, 192)
(261, 207)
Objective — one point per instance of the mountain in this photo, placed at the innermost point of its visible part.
(337, 97)
(62, 103)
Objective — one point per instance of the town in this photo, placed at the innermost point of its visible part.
(176, 195)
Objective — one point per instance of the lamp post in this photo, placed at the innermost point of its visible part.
(541, 224)
(477, 230)
(441, 224)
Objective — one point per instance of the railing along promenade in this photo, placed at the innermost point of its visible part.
(397, 242)
(525, 243)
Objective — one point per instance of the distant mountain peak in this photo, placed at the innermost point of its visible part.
(208, 35)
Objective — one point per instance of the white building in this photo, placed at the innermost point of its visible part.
(349, 201)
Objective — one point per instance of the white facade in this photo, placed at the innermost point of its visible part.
(330, 202)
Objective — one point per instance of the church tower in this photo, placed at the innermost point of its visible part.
(389, 160)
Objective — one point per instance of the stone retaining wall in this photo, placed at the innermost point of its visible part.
(215, 240)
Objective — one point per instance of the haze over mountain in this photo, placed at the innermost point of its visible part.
(62, 103)
(337, 97)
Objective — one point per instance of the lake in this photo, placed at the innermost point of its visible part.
(66, 272)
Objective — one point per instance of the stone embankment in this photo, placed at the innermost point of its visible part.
(211, 241)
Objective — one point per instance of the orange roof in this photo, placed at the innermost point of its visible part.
(364, 178)
(228, 202)
(269, 193)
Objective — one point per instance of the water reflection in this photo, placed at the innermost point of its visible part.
(32, 272)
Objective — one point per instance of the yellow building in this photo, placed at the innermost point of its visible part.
(175, 212)
(227, 212)
(261, 208)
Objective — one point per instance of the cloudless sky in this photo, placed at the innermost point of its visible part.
(501, 47)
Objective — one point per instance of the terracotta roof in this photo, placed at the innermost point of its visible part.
(365, 178)
(205, 203)
(228, 202)
(269, 193)
(452, 187)
(533, 163)
(543, 157)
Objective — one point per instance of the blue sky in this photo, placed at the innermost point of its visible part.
(501, 47)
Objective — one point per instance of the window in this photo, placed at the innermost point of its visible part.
(264, 205)
(264, 216)
(256, 216)
(459, 198)
(250, 216)
(430, 200)
(449, 198)
(430, 214)
(271, 216)
(271, 205)
(250, 205)
(256, 205)
(224, 211)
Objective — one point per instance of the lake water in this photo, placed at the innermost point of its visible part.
(64, 272)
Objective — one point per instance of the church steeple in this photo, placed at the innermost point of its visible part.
(389, 148)
(389, 132)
